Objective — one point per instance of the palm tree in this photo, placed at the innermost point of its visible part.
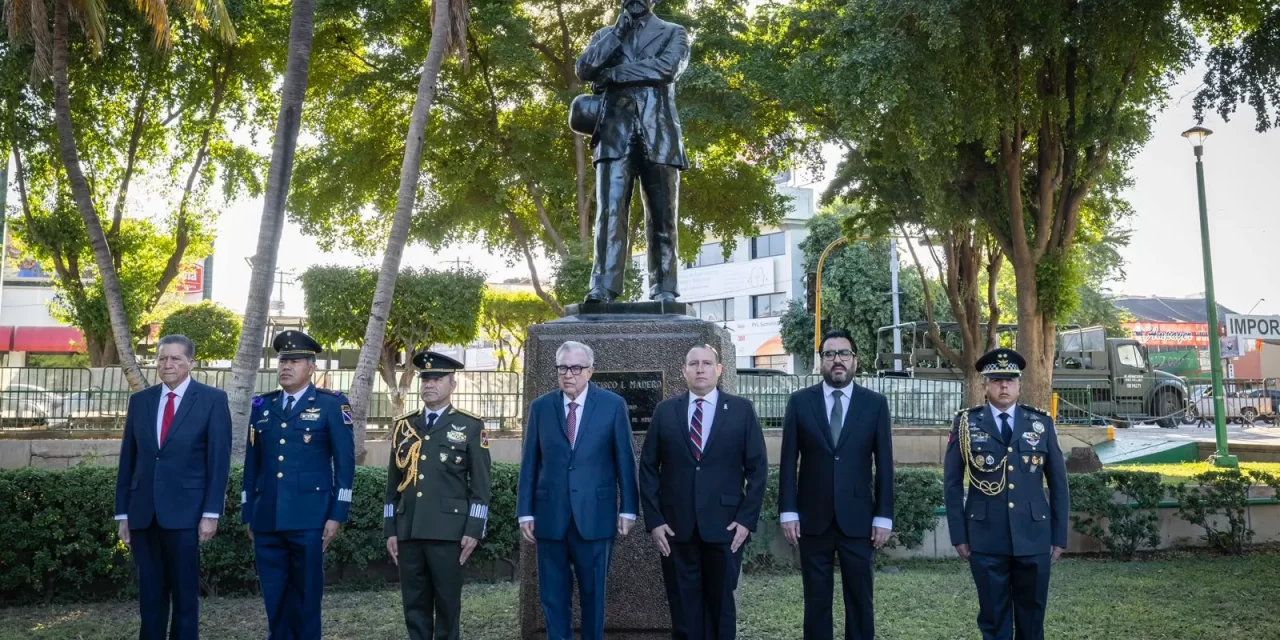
(448, 34)
(28, 20)
(244, 370)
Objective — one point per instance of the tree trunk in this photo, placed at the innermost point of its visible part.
(410, 170)
(84, 200)
(387, 370)
(244, 370)
(1036, 340)
(580, 177)
(101, 351)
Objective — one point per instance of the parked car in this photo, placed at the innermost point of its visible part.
(1245, 407)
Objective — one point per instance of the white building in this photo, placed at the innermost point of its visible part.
(748, 292)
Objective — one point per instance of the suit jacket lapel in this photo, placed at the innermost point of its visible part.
(823, 424)
(184, 407)
(850, 408)
(682, 419)
(718, 421)
(652, 29)
(591, 399)
(991, 424)
(150, 421)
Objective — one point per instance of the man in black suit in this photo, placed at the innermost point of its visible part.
(634, 64)
(702, 476)
(839, 506)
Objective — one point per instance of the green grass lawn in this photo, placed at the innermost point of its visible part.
(1191, 597)
(1182, 471)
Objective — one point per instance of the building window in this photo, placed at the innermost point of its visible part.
(773, 244)
(709, 254)
(770, 362)
(714, 310)
(770, 305)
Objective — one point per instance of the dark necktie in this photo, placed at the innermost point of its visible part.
(288, 406)
(1006, 431)
(571, 423)
(837, 414)
(431, 420)
(695, 428)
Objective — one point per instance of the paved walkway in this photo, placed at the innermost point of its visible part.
(1261, 434)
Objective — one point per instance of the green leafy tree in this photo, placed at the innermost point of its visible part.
(504, 167)
(1034, 105)
(1241, 65)
(430, 307)
(52, 46)
(505, 321)
(856, 290)
(214, 328)
(571, 276)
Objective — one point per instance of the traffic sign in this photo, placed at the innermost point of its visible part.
(1254, 327)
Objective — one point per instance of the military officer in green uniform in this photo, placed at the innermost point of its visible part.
(437, 503)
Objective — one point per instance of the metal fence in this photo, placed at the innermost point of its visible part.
(912, 401)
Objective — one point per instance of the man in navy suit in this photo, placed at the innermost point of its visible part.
(172, 480)
(577, 458)
(702, 476)
(836, 430)
(298, 468)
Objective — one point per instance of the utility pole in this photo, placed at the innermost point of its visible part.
(897, 319)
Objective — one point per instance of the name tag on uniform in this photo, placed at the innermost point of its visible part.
(311, 414)
(457, 437)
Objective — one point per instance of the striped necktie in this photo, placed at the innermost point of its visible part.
(695, 428)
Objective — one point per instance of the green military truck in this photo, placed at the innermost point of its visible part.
(1097, 379)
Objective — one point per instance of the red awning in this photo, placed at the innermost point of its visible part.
(47, 340)
(6, 339)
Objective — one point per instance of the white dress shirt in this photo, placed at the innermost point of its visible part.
(427, 413)
(829, 397)
(581, 400)
(995, 415)
(708, 413)
(179, 392)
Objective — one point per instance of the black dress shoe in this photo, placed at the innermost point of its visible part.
(596, 296)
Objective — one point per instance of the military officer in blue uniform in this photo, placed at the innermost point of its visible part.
(299, 466)
(1004, 454)
(437, 506)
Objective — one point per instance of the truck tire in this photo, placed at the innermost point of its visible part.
(1167, 403)
(1248, 415)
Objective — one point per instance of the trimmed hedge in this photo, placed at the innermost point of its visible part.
(58, 539)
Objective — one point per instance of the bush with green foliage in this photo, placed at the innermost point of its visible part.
(1124, 528)
(1222, 495)
(214, 329)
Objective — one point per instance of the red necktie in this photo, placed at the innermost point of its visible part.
(168, 418)
(572, 420)
(695, 429)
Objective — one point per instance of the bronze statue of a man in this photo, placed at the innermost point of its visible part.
(635, 132)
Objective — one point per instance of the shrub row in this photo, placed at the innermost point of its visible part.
(58, 540)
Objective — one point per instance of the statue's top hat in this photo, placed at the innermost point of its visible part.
(585, 112)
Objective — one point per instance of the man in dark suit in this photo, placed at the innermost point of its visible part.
(577, 458)
(299, 466)
(837, 431)
(635, 63)
(1004, 453)
(172, 480)
(702, 476)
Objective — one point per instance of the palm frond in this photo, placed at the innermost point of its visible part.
(459, 18)
(91, 15)
(210, 15)
(157, 14)
(41, 32)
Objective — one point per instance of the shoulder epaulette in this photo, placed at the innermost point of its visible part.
(969, 409)
(465, 413)
(261, 398)
(406, 416)
(1035, 410)
(329, 392)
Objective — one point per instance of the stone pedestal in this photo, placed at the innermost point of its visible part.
(636, 603)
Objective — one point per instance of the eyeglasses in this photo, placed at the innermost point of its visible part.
(843, 354)
(575, 369)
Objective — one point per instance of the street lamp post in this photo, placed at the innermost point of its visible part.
(1197, 136)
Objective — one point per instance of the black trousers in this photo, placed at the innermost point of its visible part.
(701, 578)
(168, 565)
(659, 190)
(1012, 594)
(431, 588)
(817, 566)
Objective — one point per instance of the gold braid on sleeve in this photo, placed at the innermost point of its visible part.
(985, 486)
(408, 461)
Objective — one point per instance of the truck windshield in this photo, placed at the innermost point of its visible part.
(1130, 356)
